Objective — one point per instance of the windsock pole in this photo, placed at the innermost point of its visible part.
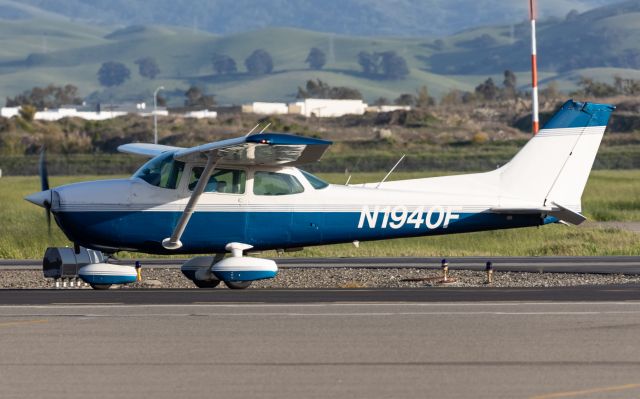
(534, 68)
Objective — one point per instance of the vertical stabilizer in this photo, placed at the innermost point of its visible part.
(554, 165)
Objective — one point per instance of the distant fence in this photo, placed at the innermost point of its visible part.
(449, 158)
(73, 164)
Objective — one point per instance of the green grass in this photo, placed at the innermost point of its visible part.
(609, 195)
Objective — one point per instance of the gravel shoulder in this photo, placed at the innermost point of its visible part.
(350, 278)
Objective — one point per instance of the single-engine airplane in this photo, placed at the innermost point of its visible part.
(248, 193)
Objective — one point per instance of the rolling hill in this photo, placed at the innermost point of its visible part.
(40, 47)
(349, 17)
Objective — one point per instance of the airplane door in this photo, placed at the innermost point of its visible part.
(219, 218)
(306, 226)
(271, 205)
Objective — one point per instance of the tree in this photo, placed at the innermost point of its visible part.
(196, 98)
(27, 112)
(320, 89)
(487, 90)
(47, 97)
(223, 64)
(423, 100)
(629, 87)
(405, 99)
(148, 67)
(510, 79)
(259, 63)
(591, 88)
(113, 73)
(381, 101)
(509, 82)
(388, 64)
(368, 62)
(394, 66)
(451, 98)
(316, 58)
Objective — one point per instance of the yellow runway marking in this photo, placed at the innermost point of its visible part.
(570, 394)
(23, 322)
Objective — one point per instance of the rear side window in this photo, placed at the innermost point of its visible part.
(315, 181)
(226, 181)
(272, 183)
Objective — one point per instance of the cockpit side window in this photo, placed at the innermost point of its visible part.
(272, 183)
(226, 181)
(162, 171)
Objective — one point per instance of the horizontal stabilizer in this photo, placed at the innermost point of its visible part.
(558, 211)
(567, 215)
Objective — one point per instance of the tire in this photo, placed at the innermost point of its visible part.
(100, 286)
(238, 285)
(206, 284)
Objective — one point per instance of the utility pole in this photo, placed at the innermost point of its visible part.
(155, 114)
(534, 68)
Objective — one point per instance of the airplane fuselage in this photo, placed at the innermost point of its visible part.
(266, 207)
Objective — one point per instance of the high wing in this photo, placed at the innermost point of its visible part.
(146, 149)
(271, 149)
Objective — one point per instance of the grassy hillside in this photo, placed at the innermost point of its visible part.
(354, 17)
(39, 48)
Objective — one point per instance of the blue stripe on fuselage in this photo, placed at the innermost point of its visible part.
(209, 232)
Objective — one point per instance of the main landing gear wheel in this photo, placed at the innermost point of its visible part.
(238, 285)
(100, 286)
(206, 284)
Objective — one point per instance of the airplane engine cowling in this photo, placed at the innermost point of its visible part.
(106, 273)
(244, 268)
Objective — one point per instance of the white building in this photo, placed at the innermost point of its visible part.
(327, 108)
(87, 113)
(203, 114)
(265, 108)
(9, 112)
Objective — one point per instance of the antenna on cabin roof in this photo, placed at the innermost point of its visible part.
(251, 131)
(392, 169)
(265, 128)
(346, 172)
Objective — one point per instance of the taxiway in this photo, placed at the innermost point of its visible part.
(536, 350)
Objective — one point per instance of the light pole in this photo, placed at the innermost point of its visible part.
(155, 114)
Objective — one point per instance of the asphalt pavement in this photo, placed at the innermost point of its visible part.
(629, 292)
(538, 350)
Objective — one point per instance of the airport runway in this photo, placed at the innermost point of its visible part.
(553, 264)
(437, 342)
(538, 350)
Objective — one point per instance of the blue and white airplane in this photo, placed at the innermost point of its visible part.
(248, 194)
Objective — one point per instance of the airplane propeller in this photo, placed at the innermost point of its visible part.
(44, 185)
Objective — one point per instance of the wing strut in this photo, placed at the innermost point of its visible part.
(174, 242)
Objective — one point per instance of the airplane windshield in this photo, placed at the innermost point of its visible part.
(161, 171)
